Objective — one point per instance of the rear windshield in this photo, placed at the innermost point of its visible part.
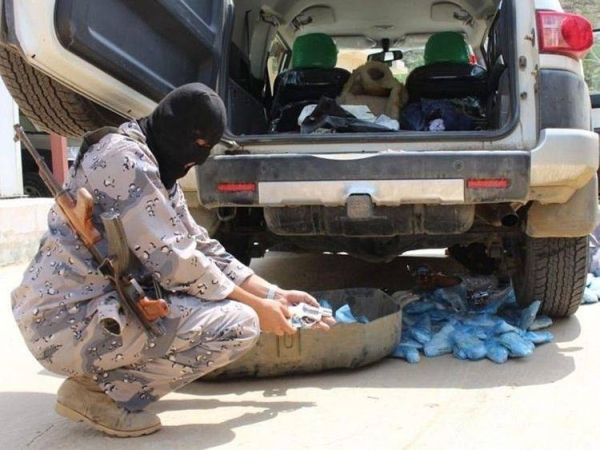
(412, 58)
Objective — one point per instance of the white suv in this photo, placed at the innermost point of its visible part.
(489, 151)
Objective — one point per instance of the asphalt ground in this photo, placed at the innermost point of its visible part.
(547, 401)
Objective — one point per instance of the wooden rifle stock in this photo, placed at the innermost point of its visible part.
(120, 260)
(78, 213)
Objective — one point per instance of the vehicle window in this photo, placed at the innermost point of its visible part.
(277, 59)
(412, 59)
(351, 59)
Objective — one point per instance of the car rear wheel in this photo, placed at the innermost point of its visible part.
(554, 271)
(51, 106)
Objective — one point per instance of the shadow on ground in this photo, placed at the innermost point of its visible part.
(53, 431)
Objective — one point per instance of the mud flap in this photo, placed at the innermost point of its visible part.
(575, 218)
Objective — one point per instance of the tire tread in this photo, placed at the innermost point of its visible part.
(555, 273)
(49, 105)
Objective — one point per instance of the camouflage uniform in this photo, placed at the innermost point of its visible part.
(63, 302)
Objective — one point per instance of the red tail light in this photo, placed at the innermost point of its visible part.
(564, 34)
(236, 187)
(488, 183)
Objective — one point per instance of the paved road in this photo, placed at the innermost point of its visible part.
(547, 401)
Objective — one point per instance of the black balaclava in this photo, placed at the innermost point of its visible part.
(190, 112)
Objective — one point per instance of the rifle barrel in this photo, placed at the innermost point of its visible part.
(44, 171)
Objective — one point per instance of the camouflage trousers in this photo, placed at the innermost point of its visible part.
(133, 369)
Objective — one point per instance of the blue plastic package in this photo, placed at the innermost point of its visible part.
(408, 353)
(594, 284)
(480, 333)
(518, 347)
(501, 327)
(407, 340)
(408, 320)
(325, 304)
(589, 297)
(467, 346)
(528, 315)
(455, 297)
(408, 349)
(439, 315)
(480, 320)
(440, 343)
(419, 307)
(539, 337)
(421, 331)
(495, 351)
(344, 315)
(497, 299)
(589, 279)
(540, 323)
(511, 315)
(511, 299)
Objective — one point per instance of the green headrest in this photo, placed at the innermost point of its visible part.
(447, 46)
(312, 51)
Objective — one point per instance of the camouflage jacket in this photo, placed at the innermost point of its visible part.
(122, 175)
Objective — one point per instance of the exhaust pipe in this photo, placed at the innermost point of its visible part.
(499, 215)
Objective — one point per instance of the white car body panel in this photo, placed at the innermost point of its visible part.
(558, 62)
(382, 193)
(565, 160)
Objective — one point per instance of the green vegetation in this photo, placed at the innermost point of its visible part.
(588, 8)
(591, 65)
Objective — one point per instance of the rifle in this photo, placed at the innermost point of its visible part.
(78, 213)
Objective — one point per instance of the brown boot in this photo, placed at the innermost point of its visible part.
(81, 400)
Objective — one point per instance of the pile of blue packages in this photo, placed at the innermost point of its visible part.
(591, 294)
(472, 325)
(592, 286)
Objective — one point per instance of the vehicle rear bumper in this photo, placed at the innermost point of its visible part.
(564, 161)
(390, 179)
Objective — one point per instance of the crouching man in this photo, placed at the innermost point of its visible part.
(70, 315)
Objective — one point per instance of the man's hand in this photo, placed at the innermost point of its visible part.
(292, 297)
(253, 292)
(273, 317)
(289, 298)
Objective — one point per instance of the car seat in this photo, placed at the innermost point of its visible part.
(448, 71)
(312, 75)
